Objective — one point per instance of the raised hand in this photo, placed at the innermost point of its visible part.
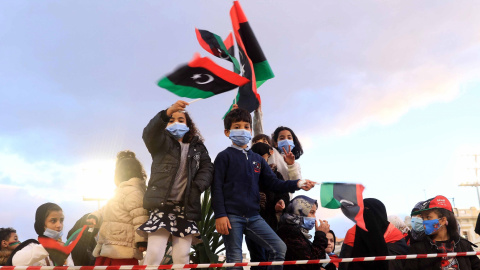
(289, 157)
(306, 184)
(91, 222)
(234, 106)
(180, 105)
(323, 226)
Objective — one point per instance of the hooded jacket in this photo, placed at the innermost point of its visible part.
(119, 220)
(165, 152)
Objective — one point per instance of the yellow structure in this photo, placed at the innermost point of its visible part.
(467, 218)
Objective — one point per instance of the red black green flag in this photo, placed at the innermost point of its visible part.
(201, 78)
(348, 197)
(247, 96)
(213, 44)
(241, 26)
(57, 251)
(229, 44)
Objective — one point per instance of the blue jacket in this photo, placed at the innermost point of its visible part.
(236, 179)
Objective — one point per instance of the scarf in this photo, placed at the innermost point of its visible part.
(298, 208)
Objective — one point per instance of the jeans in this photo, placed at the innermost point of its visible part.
(257, 254)
(258, 231)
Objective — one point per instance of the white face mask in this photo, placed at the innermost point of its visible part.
(53, 234)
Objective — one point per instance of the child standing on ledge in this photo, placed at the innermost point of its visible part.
(235, 192)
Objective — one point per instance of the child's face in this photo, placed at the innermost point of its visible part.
(262, 140)
(12, 239)
(54, 221)
(178, 117)
(239, 125)
(284, 135)
(331, 244)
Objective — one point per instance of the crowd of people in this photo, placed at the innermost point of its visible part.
(252, 183)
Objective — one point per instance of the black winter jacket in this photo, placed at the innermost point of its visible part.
(165, 151)
(426, 247)
(300, 248)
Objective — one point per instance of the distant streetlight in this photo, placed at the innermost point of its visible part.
(95, 199)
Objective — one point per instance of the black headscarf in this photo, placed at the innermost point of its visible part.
(41, 215)
(334, 240)
(371, 243)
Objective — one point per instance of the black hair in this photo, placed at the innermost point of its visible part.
(235, 116)
(452, 226)
(127, 167)
(5, 233)
(260, 137)
(187, 138)
(297, 150)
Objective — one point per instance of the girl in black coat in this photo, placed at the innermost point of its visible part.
(442, 236)
(181, 171)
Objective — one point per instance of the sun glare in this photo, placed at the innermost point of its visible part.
(95, 179)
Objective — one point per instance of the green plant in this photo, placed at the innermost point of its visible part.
(212, 242)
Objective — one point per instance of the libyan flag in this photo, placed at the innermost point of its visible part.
(213, 44)
(348, 197)
(58, 252)
(201, 78)
(241, 27)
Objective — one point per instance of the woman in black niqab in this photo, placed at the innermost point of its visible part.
(371, 243)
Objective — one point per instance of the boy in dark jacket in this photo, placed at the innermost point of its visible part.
(442, 236)
(235, 192)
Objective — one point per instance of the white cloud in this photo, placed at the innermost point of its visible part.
(63, 182)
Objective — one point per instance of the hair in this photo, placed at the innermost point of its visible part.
(187, 138)
(235, 116)
(260, 137)
(5, 233)
(43, 211)
(334, 239)
(297, 150)
(452, 226)
(127, 167)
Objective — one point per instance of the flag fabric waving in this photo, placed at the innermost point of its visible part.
(201, 78)
(213, 44)
(241, 26)
(229, 44)
(348, 197)
(247, 96)
(58, 252)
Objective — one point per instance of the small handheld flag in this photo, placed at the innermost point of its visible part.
(201, 78)
(57, 252)
(348, 197)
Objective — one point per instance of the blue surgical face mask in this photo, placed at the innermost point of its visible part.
(308, 223)
(240, 137)
(178, 130)
(53, 234)
(417, 224)
(431, 226)
(284, 144)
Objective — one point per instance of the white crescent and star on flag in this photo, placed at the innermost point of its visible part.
(197, 78)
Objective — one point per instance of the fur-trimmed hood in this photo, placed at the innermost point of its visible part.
(4, 254)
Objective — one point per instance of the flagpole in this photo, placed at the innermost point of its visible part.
(195, 100)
